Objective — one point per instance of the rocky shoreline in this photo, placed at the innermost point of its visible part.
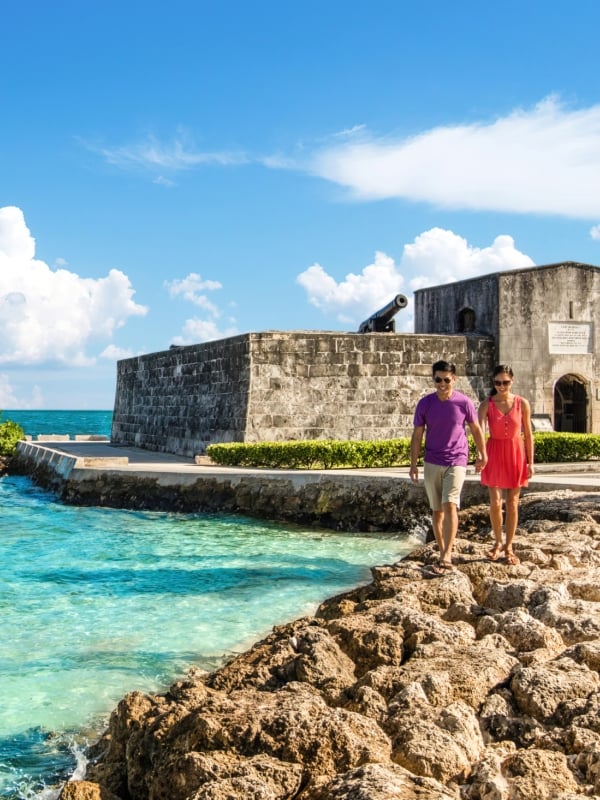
(482, 684)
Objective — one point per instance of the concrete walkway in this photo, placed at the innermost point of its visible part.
(102, 455)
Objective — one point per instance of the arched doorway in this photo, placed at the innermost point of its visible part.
(570, 404)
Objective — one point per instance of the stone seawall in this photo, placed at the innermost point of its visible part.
(369, 500)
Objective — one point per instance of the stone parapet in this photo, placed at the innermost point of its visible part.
(286, 386)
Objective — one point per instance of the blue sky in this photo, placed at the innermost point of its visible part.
(184, 171)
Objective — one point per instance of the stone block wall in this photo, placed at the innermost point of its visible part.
(441, 309)
(287, 385)
(178, 400)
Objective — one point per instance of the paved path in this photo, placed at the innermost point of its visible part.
(104, 455)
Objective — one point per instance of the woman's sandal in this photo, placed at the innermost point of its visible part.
(495, 553)
(512, 559)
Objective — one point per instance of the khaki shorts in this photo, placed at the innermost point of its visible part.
(443, 484)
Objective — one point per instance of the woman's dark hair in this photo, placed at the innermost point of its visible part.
(498, 370)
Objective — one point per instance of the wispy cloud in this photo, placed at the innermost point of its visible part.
(192, 288)
(176, 155)
(542, 160)
(162, 181)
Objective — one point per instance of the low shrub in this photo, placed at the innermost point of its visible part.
(552, 447)
(10, 433)
(313, 454)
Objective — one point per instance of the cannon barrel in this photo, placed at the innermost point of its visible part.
(382, 321)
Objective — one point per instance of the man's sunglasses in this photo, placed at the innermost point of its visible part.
(437, 379)
(500, 383)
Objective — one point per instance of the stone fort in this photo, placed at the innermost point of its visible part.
(298, 385)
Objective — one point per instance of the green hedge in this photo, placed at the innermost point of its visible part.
(314, 454)
(556, 447)
(10, 433)
(336, 454)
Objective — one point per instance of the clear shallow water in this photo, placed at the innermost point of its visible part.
(98, 602)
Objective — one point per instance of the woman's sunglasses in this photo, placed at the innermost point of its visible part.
(500, 383)
(437, 379)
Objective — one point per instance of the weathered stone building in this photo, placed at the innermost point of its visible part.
(293, 385)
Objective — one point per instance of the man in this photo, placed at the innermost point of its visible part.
(443, 415)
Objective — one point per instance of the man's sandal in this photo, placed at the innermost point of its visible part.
(512, 559)
(442, 567)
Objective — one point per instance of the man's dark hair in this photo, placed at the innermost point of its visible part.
(443, 366)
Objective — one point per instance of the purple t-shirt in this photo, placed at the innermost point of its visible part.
(446, 441)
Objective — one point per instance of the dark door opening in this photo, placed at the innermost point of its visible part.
(570, 404)
(466, 320)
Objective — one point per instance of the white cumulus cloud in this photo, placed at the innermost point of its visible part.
(374, 286)
(201, 330)
(115, 353)
(540, 160)
(441, 256)
(9, 398)
(436, 256)
(53, 315)
(193, 289)
(595, 232)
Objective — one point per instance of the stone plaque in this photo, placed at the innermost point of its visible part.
(569, 337)
(541, 422)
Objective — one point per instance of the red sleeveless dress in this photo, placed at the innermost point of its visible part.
(507, 464)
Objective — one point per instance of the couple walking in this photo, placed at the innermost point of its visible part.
(505, 464)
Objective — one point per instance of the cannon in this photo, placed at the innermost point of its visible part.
(382, 321)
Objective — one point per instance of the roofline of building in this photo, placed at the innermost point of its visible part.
(535, 268)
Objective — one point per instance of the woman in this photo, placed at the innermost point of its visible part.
(510, 457)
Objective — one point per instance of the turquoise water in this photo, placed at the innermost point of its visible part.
(97, 602)
(35, 423)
